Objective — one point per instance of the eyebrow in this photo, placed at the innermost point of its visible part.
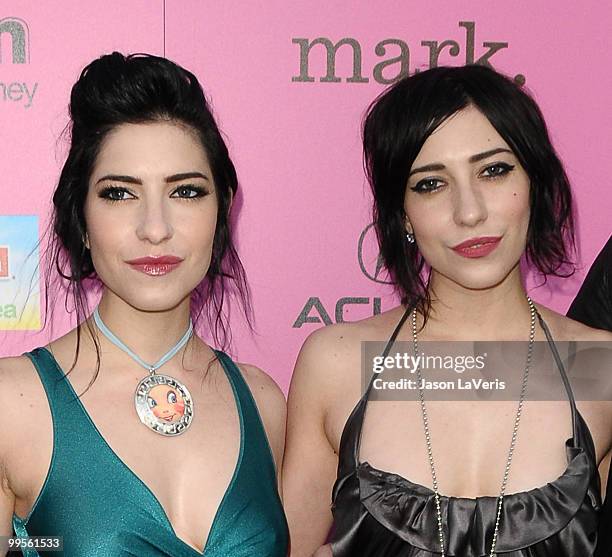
(168, 179)
(474, 158)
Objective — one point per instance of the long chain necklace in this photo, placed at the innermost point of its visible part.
(162, 402)
(512, 443)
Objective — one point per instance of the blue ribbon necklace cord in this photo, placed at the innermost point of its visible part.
(162, 403)
(151, 367)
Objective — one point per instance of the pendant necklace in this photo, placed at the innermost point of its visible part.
(502, 492)
(162, 402)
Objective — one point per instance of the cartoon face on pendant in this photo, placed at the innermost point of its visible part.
(163, 404)
(166, 403)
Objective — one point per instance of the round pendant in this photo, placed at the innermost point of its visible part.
(163, 404)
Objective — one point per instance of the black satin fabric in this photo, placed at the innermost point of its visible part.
(593, 306)
(378, 513)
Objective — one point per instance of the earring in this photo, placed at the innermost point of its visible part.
(86, 241)
(410, 237)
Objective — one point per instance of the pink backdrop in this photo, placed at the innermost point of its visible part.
(296, 143)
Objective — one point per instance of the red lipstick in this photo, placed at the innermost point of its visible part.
(155, 265)
(477, 247)
(157, 259)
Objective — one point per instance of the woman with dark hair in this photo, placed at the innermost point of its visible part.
(465, 183)
(178, 458)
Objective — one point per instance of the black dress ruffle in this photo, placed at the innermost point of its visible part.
(378, 513)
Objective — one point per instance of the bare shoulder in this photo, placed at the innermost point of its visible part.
(597, 412)
(265, 390)
(13, 366)
(589, 356)
(21, 394)
(19, 384)
(564, 328)
(331, 355)
(17, 380)
(8, 386)
(335, 342)
(271, 405)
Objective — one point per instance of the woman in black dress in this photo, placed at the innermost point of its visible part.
(466, 184)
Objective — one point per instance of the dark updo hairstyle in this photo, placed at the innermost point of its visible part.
(398, 123)
(140, 88)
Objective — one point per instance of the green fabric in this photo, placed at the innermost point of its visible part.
(102, 509)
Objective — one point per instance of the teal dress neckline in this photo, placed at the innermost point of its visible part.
(242, 497)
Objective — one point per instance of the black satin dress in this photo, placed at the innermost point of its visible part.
(593, 307)
(378, 513)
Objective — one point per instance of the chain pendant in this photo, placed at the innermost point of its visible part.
(512, 443)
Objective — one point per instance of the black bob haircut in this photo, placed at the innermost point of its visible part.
(139, 88)
(398, 123)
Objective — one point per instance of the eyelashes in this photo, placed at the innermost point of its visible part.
(502, 168)
(493, 171)
(114, 194)
(425, 186)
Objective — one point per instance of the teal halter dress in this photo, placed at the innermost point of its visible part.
(102, 509)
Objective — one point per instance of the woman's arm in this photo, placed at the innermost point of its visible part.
(7, 507)
(310, 464)
(7, 497)
(272, 408)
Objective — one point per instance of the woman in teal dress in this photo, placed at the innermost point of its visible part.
(180, 458)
